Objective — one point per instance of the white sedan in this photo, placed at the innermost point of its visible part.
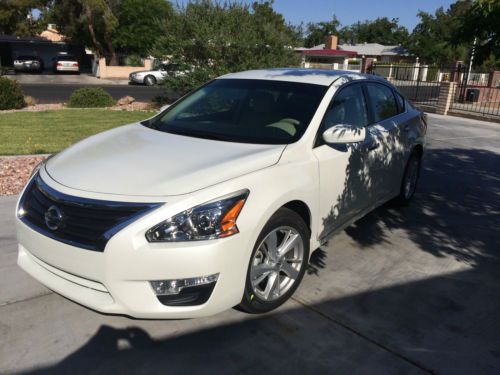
(220, 199)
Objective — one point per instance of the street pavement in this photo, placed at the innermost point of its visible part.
(51, 88)
(402, 291)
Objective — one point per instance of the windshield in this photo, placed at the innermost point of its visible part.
(242, 110)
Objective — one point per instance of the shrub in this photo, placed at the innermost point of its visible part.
(11, 95)
(90, 97)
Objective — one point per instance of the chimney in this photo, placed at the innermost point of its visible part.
(331, 42)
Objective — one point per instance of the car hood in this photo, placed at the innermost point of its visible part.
(136, 160)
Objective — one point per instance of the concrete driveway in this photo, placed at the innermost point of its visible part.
(402, 291)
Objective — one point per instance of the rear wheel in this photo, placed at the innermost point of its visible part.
(278, 262)
(410, 179)
(150, 80)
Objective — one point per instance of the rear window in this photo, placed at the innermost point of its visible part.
(66, 58)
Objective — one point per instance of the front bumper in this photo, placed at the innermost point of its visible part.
(136, 79)
(116, 281)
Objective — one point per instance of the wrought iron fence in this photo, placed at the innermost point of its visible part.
(420, 83)
(477, 91)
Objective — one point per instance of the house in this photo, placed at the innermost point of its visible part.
(327, 55)
(348, 56)
(52, 34)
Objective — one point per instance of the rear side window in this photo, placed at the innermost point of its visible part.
(382, 101)
(348, 107)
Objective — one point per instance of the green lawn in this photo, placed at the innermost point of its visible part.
(50, 131)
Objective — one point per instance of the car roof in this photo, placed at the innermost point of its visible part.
(313, 76)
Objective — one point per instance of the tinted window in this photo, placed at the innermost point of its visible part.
(348, 107)
(243, 110)
(382, 101)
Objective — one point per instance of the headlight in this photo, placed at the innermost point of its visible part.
(211, 220)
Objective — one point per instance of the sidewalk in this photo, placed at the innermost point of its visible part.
(65, 79)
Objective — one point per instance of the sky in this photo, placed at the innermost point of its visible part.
(351, 11)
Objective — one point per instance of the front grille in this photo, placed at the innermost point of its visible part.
(80, 222)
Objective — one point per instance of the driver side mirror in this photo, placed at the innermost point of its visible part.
(342, 134)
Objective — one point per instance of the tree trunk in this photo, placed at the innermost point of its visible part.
(97, 45)
(112, 53)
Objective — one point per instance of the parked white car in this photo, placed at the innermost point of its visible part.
(220, 199)
(65, 64)
(155, 76)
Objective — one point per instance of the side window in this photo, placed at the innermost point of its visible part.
(382, 101)
(401, 102)
(348, 107)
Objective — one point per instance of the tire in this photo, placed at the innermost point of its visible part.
(410, 179)
(149, 80)
(286, 273)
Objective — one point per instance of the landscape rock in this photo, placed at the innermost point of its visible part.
(126, 100)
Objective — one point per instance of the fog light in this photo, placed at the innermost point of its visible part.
(174, 287)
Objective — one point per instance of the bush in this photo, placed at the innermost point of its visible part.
(11, 95)
(90, 97)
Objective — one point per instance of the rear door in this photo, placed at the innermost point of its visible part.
(385, 127)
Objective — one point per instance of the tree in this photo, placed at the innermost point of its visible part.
(482, 23)
(209, 39)
(140, 23)
(317, 32)
(382, 31)
(112, 26)
(433, 39)
(16, 17)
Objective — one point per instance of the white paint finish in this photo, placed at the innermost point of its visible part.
(136, 164)
(342, 134)
(142, 161)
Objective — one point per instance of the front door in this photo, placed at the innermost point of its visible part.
(347, 172)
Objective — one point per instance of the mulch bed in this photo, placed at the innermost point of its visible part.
(15, 172)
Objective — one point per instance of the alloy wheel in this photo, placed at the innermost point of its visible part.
(276, 264)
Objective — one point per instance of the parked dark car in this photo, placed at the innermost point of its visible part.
(28, 64)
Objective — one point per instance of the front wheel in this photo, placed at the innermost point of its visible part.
(278, 262)
(149, 80)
